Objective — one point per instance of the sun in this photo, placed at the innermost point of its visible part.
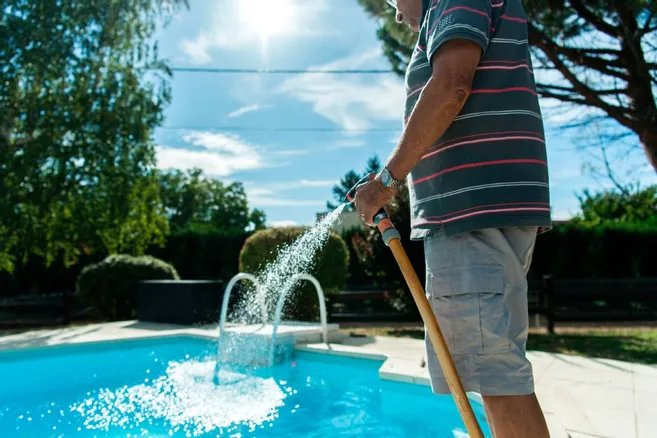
(267, 18)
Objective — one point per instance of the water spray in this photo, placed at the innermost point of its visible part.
(392, 239)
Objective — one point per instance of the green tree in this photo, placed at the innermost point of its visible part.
(350, 179)
(603, 51)
(629, 205)
(191, 201)
(81, 90)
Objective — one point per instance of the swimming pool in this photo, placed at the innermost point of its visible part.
(163, 387)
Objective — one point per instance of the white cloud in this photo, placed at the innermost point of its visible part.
(283, 224)
(349, 143)
(268, 194)
(290, 152)
(258, 198)
(217, 154)
(243, 110)
(354, 102)
(197, 50)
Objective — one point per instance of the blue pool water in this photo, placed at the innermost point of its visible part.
(162, 388)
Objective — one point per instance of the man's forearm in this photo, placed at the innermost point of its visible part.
(438, 105)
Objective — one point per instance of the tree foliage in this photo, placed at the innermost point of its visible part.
(192, 201)
(81, 90)
(349, 180)
(592, 53)
(614, 206)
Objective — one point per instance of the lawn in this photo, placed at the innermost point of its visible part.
(628, 344)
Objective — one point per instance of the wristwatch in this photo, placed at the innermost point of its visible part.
(387, 179)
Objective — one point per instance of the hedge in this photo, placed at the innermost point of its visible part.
(202, 254)
(604, 251)
(109, 286)
(330, 267)
(567, 251)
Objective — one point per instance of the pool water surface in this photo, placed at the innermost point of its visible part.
(164, 387)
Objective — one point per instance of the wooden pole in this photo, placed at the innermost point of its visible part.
(437, 339)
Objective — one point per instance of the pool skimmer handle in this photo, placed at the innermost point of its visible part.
(392, 239)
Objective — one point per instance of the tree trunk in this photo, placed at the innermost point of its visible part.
(649, 142)
(639, 82)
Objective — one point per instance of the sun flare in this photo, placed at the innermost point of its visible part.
(268, 18)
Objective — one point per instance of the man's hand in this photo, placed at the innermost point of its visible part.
(370, 198)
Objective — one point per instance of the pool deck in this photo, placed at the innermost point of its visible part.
(582, 397)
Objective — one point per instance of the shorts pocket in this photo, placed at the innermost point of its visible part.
(470, 306)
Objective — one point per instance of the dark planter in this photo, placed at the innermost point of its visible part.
(179, 301)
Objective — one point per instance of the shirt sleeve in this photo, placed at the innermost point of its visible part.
(458, 19)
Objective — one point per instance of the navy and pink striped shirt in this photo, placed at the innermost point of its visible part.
(489, 170)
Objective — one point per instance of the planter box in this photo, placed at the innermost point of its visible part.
(184, 302)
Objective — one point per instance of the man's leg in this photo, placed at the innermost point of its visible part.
(477, 285)
(515, 416)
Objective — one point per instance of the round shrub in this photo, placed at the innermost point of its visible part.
(109, 286)
(330, 268)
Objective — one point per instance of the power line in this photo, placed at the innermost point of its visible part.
(279, 71)
(274, 129)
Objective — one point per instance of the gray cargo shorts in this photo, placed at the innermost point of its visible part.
(477, 286)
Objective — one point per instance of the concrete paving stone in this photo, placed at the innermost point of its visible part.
(645, 384)
(645, 370)
(600, 396)
(647, 426)
(575, 434)
(646, 403)
(612, 379)
(586, 363)
(572, 413)
(398, 370)
(615, 423)
(555, 427)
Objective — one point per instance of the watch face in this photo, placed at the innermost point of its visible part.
(386, 179)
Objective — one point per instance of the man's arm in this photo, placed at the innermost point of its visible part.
(443, 97)
(441, 101)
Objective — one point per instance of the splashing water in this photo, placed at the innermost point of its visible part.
(188, 397)
(295, 258)
(187, 400)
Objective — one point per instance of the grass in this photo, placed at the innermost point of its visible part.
(635, 344)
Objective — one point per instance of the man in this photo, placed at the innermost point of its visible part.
(473, 156)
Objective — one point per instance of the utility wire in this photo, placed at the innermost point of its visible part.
(278, 71)
(274, 129)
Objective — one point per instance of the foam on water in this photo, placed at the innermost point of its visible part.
(187, 399)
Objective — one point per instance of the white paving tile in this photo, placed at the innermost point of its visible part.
(614, 423)
(645, 370)
(646, 403)
(647, 426)
(645, 384)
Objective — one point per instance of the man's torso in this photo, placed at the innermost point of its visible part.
(489, 170)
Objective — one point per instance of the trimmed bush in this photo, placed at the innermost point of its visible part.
(109, 286)
(330, 267)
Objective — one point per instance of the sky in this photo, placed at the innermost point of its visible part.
(236, 126)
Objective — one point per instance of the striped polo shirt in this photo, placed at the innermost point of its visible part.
(489, 170)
